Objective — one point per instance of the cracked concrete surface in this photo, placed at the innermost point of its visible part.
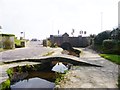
(92, 77)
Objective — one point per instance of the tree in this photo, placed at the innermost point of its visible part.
(102, 36)
(115, 34)
(92, 35)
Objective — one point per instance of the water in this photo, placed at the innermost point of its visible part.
(36, 79)
(33, 83)
(47, 75)
(39, 76)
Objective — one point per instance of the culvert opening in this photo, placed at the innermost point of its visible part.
(40, 75)
(33, 76)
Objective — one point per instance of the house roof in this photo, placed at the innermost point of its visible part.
(7, 34)
(65, 34)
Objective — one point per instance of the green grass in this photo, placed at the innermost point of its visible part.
(111, 57)
(115, 59)
(17, 42)
(49, 53)
(10, 72)
(59, 77)
(5, 85)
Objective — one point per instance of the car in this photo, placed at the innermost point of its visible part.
(34, 39)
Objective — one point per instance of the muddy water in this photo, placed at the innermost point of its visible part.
(48, 75)
(41, 77)
(36, 79)
(33, 83)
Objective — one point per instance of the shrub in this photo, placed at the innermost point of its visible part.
(54, 45)
(66, 46)
(7, 44)
(49, 43)
(115, 34)
(44, 43)
(111, 47)
(118, 45)
(109, 44)
(101, 36)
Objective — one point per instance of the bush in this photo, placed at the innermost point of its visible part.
(7, 44)
(101, 36)
(77, 52)
(53, 45)
(115, 34)
(66, 46)
(111, 47)
(118, 45)
(109, 44)
(44, 43)
(49, 43)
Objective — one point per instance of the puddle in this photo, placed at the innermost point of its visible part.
(32, 76)
(33, 83)
(48, 75)
(36, 79)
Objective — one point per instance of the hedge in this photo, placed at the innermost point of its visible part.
(109, 44)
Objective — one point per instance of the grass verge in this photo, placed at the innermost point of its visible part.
(111, 57)
(115, 59)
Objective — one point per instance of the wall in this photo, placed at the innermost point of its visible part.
(74, 41)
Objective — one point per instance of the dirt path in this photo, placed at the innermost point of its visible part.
(92, 77)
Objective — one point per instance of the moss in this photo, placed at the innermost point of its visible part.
(48, 54)
(10, 72)
(19, 69)
(5, 85)
(59, 77)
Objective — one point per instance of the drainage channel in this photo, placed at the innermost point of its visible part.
(32, 76)
(42, 75)
(37, 76)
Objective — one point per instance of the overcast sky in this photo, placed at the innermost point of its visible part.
(40, 18)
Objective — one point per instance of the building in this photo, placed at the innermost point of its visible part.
(74, 41)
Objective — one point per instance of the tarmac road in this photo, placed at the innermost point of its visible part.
(34, 48)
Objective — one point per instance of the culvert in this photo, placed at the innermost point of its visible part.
(44, 70)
